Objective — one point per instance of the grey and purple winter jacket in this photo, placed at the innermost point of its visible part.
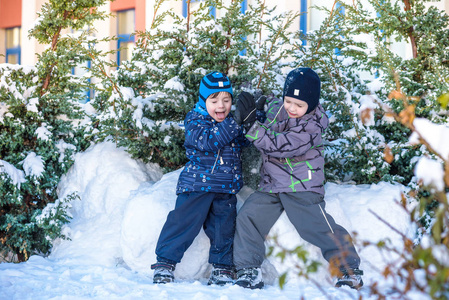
(292, 150)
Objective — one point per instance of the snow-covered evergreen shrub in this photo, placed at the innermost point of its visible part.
(359, 78)
(423, 77)
(41, 129)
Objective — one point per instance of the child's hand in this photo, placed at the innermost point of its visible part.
(245, 113)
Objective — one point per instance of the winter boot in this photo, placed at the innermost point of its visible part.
(250, 278)
(163, 272)
(220, 276)
(351, 278)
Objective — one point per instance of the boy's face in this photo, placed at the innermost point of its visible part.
(295, 108)
(219, 106)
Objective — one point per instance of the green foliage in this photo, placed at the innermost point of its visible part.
(303, 266)
(145, 106)
(350, 47)
(41, 129)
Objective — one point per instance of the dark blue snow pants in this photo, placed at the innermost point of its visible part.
(215, 212)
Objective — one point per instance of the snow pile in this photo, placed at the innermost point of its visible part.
(122, 211)
(431, 171)
(117, 220)
(144, 216)
(103, 177)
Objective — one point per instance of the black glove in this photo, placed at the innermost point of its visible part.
(260, 102)
(260, 99)
(245, 113)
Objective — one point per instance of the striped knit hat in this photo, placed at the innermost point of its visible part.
(212, 83)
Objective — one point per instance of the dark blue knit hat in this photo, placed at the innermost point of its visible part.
(303, 84)
(212, 83)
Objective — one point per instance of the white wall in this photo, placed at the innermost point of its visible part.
(29, 46)
(176, 6)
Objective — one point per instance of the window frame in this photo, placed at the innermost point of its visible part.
(303, 19)
(243, 11)
(90, 93)
(124, 38)
(244, 6)
(13, 50)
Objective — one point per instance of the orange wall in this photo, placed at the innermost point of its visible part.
(122, 4)
(138, 5)
(140, 15)
(10, 13)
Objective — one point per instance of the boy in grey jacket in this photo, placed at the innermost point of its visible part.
(292, 179)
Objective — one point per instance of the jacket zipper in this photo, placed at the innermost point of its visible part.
(274, 119)
(288, 163)
(221, 161)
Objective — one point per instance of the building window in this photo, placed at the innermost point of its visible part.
(303, 20)
(13, 45)
(125, 29)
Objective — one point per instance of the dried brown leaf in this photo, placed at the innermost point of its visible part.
(388, 155)
(395, 94)
(407, 116)
(365, 116)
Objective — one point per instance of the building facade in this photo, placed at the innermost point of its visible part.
(18, 16)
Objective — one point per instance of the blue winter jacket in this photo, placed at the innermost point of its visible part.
(214, 153)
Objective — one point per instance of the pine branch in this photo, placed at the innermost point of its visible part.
(411, 30)
(54, 44)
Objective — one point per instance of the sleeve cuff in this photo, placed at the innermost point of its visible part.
(253, 132)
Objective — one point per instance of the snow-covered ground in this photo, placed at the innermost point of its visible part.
(123, 205)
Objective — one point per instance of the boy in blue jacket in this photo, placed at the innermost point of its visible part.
(207, 186)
